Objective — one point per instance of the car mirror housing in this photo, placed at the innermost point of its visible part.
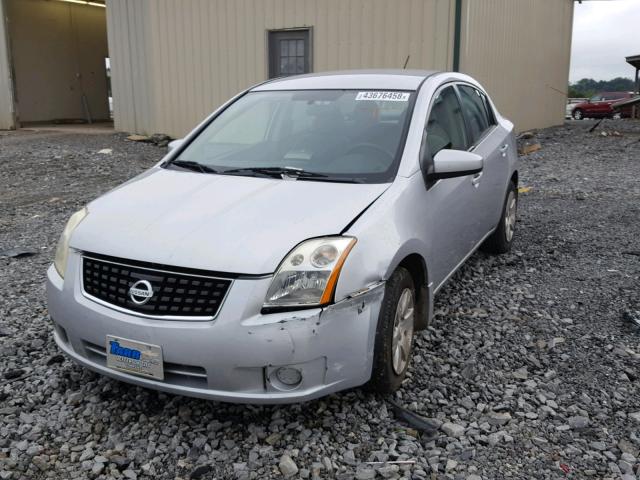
(175, 144)
(456, 163)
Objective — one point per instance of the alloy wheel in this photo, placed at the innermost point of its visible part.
(402, 331)
(510, 216)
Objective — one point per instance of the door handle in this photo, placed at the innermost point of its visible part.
(475, 180)
(503, 149)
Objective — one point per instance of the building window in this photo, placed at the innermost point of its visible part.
(289, 53)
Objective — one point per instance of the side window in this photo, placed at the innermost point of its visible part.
(475, 112)
(487, 106)
(445, 126)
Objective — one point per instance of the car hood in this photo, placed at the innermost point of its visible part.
(221, 223)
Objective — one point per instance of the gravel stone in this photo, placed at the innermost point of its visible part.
(388, 471)
(365, 474)
(451, 465)
(198, 472)
(287, 466)
(452, 429)
(42, 462)
(635, 416)
(531, 361)
(499, 418)
(578, 422)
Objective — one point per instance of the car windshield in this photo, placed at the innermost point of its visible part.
(319, 135)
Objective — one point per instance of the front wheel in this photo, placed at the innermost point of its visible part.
(578, 114)
(394, 333)
(501, 239)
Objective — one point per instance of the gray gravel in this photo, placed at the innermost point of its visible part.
(530, 369)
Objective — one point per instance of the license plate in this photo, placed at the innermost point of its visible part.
(134, 357)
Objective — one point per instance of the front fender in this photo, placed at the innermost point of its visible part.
(387, 233)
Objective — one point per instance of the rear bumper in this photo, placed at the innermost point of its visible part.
(233, 357)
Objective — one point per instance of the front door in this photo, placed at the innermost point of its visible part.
(598, 106)
(449, 227)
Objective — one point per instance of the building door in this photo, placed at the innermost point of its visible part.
(289, 53)
(58, 52)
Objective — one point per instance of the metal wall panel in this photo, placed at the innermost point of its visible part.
(6, 91)
(174, 62)
(520, 50)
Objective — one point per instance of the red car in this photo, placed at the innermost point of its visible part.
(599, 106)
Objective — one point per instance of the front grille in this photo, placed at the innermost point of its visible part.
(175, 295)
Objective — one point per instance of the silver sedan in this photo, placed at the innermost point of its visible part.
(292, 244)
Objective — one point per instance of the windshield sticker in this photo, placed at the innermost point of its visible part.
(384, 96)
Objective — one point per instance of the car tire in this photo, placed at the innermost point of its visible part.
(578, 114)
(394, 333)
(501, 239)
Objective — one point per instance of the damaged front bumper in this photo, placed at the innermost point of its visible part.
(233, 358)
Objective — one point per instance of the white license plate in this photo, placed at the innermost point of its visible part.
(134, 357)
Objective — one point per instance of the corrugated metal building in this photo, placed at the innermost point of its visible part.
(173, 62)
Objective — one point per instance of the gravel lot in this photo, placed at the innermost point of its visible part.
(530, 369)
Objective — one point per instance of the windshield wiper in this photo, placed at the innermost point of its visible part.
(269, 172)
(289, 172)
(276, 172)
(195, 166)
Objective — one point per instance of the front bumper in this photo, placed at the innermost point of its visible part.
(232, 357)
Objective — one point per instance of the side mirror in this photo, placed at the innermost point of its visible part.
(175, 144)
(456, 163)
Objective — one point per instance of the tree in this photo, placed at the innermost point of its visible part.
(588, 87)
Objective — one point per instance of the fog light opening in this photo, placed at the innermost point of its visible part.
(286, 378)
(289, 376)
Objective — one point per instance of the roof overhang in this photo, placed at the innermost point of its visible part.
(634, 61)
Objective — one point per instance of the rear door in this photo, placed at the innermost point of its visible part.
(491, 142)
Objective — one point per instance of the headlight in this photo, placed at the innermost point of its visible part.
(308, 275)
(62, 252)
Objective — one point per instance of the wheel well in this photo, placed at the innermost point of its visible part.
(514, 178)
(416, 266)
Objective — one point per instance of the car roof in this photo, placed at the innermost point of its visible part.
(350, 79)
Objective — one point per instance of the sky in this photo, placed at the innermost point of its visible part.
(604, 32)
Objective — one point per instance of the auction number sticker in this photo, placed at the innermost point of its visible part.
(384, 96)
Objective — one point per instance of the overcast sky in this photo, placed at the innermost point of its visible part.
(604, 32)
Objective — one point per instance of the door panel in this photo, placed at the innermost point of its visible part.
(449, 226)
(491, 187)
